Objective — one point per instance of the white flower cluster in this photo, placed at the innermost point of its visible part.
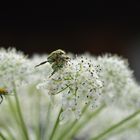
(131, 97)
(85, 81)
(116, 75)
(13, 68)
(78, 83)
(38, 74)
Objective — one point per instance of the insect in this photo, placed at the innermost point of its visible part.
(3, 92)
(57, 59)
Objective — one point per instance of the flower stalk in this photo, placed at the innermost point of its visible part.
(81, 125)
(55, 125)
(116, 126)
(25, 130)
(2, 136)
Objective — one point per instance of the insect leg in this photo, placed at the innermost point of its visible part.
(1, 99)
(52, 74)
(41, 64)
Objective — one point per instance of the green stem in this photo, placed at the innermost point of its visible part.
(115, 126)
(38, 108)
(62, 89)
(21, 116)
(55, 125)
(13, 110)
(71, 126)
(2, 136)
(47, 121)
(129, 127)
(10, 133)
(79, 126)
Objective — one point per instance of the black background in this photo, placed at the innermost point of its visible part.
(96, 27)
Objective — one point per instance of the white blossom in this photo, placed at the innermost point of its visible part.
(131, 97)
(37, 74)
(78, 83)
(116, 75)
(13, 68)
(85, 81)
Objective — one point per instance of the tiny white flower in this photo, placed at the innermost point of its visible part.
(116, 76)
(78, 83)
(38, 74)
(13, 68)
(131, 96)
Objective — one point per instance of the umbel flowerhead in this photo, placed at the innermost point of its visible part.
(78, 83)
(58, 59)
(117, 76)
(13, 68)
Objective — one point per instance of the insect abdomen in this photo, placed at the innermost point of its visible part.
(3, 91)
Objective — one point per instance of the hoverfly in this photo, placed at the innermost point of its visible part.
(58, 59)
(3, 92)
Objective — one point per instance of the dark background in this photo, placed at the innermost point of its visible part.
(99, 27)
